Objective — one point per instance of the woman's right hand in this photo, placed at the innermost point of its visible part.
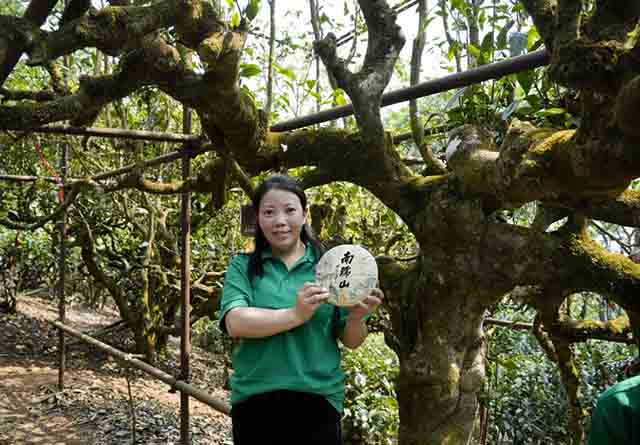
(310, 297)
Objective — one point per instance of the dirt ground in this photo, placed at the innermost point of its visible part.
(94, 407)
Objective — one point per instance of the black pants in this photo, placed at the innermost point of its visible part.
(286, 418)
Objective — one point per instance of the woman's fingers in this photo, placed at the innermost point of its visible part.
(317, 297)
(377, 293)
(320, 298)
(313, 293)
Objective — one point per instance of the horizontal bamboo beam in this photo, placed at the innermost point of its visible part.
(457, 80)
(162, 159)
(516, 325)
(127, 359)
(23, 178)
(117, 133)
(520, 326)
(430, 87)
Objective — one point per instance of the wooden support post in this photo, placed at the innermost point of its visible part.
(185, 266)
(62, 253)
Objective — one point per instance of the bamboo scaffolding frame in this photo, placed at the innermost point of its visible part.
(128, 360)
(457, 80)
(162, 159)
(428, 88)
(117, 133)
(185, 287)
(62, 256)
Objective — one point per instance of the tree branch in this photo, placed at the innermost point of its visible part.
(623, 209)
(111, 30)
(92, 95)
(39, 96)
(24, 178)
(69, 199)
(88, 254)
(559, 350)
(11, 48)
(608, 47)
(541, 164)
(543, 13)
(626, 108)
(366, 86)
(582, 330)
(417, 128)
(568, 22)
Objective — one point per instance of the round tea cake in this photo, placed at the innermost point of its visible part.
(349, 272)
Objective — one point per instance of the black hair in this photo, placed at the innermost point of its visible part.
(288, 184)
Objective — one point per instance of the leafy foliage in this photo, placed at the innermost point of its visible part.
(371, 408)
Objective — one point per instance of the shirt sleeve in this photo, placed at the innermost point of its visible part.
(237, 290)
(607, 422)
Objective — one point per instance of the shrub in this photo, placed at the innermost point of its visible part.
(371, 407)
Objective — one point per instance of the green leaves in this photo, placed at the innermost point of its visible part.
(526, 80)
(501, 41)
(533, 39)
(371, 408)
(249, 70)
(546, 112)
(339, 96)
(252, 9)
(286, 72)
(235, 19)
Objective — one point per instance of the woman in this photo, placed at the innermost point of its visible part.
(616, 417)
(288, 387)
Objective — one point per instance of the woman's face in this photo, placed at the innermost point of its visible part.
(281, 218)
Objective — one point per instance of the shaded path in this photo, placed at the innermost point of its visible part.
(94, 408)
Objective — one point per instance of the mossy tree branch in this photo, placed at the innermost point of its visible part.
(582, 330)
(69, 199)
(215, 94)
(543, 14)
(92, 95)
(560, 351)
(38, 96)
(622, 209)
(365, 87)
(13, 45)
(538, 164)
(606, 41)
(114, 29)
(88, 254)
(339, 155)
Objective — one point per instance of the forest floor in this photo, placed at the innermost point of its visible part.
(94, 408)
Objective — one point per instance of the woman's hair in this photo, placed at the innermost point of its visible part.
(288, 184)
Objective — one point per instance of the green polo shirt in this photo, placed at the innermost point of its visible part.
(305, 358)
(616, 418)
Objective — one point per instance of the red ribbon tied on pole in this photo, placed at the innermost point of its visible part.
(52, 171)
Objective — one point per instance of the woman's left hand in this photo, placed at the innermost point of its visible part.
(367, 306)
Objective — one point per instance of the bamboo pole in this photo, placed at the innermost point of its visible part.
(520, 326)
(128, 360)
(162, 159)
(62, 253)
(185, 286)
(457, 80)
(117, 133)
(446, 83)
